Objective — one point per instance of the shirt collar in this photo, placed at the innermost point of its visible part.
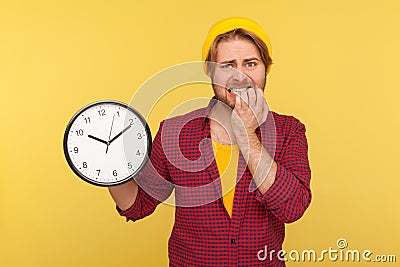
(207, 111)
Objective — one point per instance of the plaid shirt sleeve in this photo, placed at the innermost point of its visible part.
(290, 194)
(148, 186)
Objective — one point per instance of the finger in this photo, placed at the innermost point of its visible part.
(260, 97)
(260, 94)
(252, 97)
(238, 103)
(245, 99)
(263, 103)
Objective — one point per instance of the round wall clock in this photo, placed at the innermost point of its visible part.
(107, 143)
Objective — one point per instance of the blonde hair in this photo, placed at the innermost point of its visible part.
(243, 34)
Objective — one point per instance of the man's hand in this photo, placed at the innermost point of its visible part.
(251, 110)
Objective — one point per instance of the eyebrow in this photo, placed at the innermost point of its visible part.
(251, 59)
(245, 60)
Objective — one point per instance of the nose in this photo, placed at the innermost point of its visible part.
(238, 75)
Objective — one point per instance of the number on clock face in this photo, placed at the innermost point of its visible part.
(107, 143)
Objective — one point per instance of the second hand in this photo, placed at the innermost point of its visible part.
(109, 136)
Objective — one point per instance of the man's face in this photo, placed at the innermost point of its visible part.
(239, 65)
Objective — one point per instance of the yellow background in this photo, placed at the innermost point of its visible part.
(335, 68)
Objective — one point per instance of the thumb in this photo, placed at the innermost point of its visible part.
(238, 103)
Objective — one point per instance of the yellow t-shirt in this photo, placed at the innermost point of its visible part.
(226, 157)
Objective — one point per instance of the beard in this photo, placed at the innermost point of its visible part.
(221, 94)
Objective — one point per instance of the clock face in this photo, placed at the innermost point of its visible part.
(107, 143)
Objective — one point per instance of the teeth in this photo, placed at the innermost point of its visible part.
(238, 90)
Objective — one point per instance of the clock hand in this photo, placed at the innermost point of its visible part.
(120, 133)
(108, 143)
(98, 139)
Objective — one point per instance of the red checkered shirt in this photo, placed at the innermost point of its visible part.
(205, 235)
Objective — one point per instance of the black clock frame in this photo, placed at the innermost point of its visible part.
(81, 175)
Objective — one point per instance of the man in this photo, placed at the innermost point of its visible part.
(256, 162)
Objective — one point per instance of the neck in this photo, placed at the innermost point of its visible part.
(220, 124)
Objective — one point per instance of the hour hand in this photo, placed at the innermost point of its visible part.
(98, 139)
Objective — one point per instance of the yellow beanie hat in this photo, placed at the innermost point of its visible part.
(230, 24)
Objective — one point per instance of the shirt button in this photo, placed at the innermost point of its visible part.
(233, 241)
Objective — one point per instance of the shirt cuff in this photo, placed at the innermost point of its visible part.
(133, 211)
(280, 191)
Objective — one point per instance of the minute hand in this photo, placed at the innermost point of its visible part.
(120, 133)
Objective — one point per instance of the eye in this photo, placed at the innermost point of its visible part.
(250, 64)
(226, 66)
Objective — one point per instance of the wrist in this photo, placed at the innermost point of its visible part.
(249, 144)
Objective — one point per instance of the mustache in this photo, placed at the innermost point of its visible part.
(240, 85)
(247, 83)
